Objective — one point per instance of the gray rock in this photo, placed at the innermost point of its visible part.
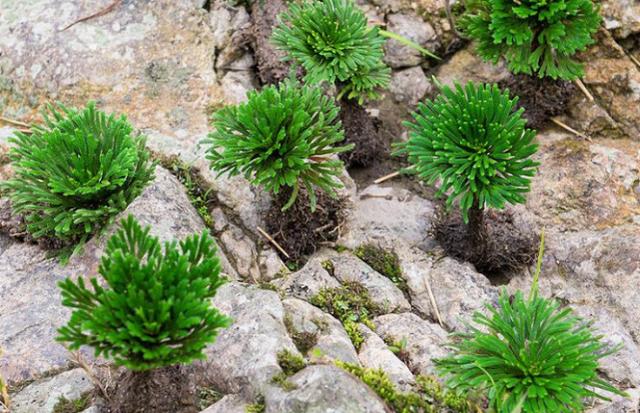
(307, 281)
(618, 404)
(425, 340)
(324, 389)
(42, 396)
(412, 27)
(622, 17)
(375, 354)
(271, 266)
(333, 341)
(236, 85)
(231, 403)
(383, 215)
(409, 85)
(349, 268)
(466, 66)
(243, 358)
(228, 24)
(458, 290)
(243, 251)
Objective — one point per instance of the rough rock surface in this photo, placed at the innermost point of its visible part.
(409, 85)
(232, 403)
(413, 28)
(42, 396)
(375, 354)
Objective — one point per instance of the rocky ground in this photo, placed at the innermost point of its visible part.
(168, 64)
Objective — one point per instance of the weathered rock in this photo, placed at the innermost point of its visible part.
(370, 221)
(424, 339)
(412, 27)
(42, 396)
(307, 281)
(271, 266)
(322, 389)
(30, 303)
(383, 292)
(458, 290)
(236, 85)
(621, 17)
(466, 66)
(409, 85)
(619, 404)
(152, 61)
(395, 6)
(375, 354)
(231, 403)
(243, 358)
(243, 251)
(228, 24)
(332, 340)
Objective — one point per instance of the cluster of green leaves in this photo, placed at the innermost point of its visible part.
(529, 354)
(534, 36)
(385, 262)
(475, 144)
(334, 44)
(427, 398)
(74, 173)
(283, 136)
(155, 309)
(290, 363)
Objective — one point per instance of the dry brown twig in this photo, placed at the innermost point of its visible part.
(386, 177)
(584, 90)
(77, 358)
(432, 298)
(99, 13)
(570, 129)
(273, 241)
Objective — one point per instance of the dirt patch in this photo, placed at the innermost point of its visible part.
(508, 247)
(541, 98)
(299, 231)
(362, 130)
(264, 14)
(164, 390)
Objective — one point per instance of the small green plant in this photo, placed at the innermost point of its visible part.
(64, 405)
(290, 363)
(476, 145)
(283, 136)
(529, 355)
(74, 173)
(5, 401)
(536, 37)
(385, 262)
(334, 44)
(155, 309)
(257, 407)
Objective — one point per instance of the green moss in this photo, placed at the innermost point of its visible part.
(208, 396)
(429, 397)
(340, 248)
(328, 266)
(385, 262)
(257, 407)
(290, 363)
(282, 380)
(303, 340)
(267, 286)
(351, 304)
(200, 197)
(65, 405)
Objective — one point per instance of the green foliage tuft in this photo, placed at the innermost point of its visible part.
(385, 262)
(528, 353)
(76, 172)
(333, 43)
(64, 405)
(155, 309)
(282, 137)
(474, 142)
(536, 37)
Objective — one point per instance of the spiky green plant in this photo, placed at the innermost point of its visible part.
(155, 309)
(334, 44)
(529, 355)
(476, 145)
(536, 37)
(283, 136)
(76, 172)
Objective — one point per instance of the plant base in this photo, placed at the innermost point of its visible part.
(541, 98)
(362, 130)
(300, 231)
(165, 390)
(15, 227)
(506, 248)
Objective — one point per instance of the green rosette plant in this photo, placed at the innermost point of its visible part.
(334, 44)
(74, 173)
(536, 37)
(282, 137)
(528, 355)
(154, 307)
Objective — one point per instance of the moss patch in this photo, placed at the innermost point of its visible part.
(290, 364)
(257, 407)
(351, 304)
(65, 405)
(385, 262)
(208, 396)
(303, 340)
(429, 397)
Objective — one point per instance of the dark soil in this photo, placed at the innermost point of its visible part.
(508, 247)
(541, 99)
(362, 130)
(15, 227)
(271, 68)
(299, 231)
(165, 390)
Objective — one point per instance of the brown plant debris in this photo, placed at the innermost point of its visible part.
(361, 129)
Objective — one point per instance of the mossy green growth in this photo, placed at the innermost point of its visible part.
(257, 407)
(351, 304)
(303, 340)
(427, 398)
(385, 262)
(290, 363)
(208, 396)
(64, 405)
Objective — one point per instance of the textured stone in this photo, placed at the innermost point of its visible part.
(333, 341)
(375, 354)
(412, 27)
(622, 17)
(307, 281)
(425, 340)
(42, 396)
(324, 389)
(243, 358)
(231, 403)
(236, 85)
(409, 85)
(466, 66)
